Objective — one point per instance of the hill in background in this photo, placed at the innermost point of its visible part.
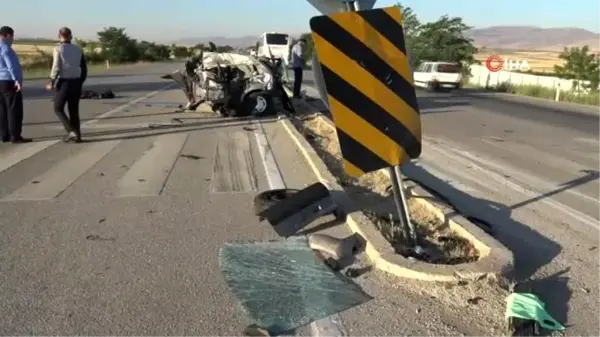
(533, 38)
(497, 37)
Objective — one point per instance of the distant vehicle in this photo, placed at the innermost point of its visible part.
(438, 76)
(276, 45)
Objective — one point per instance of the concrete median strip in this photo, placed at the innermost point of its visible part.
(494, 258)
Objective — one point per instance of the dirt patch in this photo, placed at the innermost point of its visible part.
(373, 193)
(475, 307)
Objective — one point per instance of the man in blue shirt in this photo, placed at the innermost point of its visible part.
(298, 65)
(11, 83)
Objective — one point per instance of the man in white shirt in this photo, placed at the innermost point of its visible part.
(69, 71)
(298, 65)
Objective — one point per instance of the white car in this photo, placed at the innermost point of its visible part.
(438, 76)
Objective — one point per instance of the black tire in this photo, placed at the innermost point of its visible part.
(266, 199)
(431, 87)
(251, 101)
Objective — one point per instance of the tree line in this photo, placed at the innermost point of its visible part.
(581, 66)
(442, 40)
(116, 46)
(113, 44)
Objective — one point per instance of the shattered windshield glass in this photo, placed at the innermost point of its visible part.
(281, 285)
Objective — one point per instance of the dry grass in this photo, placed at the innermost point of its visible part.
(539, 61)
(32, 49)
(371, 191)
(36, 58)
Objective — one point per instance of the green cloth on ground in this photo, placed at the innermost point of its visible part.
(529, 306)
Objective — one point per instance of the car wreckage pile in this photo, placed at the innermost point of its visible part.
(233, 85)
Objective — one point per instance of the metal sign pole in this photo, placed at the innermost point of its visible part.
(407, 228)
(401, 207)
(411, 228)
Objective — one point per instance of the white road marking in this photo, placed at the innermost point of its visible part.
(330, 326)
(426, 161)
(126, 105)
(529, 152)
(22, 152)
(266, 155)
(53, 182)
(540, 183)
(149, 174)
(480, 164)
(25, 151)
(591, 141)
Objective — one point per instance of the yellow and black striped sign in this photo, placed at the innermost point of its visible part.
(369, 86)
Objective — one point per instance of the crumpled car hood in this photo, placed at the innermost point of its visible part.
(212, 59)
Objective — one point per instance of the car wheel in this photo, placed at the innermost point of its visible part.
(258, 103)
(431, 87)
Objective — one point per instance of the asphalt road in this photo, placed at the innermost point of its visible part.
(127, 83)
(120, 235)
(530, 168)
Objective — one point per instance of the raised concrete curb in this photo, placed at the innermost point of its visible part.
(495, 259)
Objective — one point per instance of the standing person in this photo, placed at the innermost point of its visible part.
(11, 83)
(69, 71)
(298, 65)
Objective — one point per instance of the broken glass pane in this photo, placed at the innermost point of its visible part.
(281, 285)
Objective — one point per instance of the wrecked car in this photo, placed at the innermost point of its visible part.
(233, 85)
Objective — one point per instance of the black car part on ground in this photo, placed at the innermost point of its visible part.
(288, 211)
(90, 94)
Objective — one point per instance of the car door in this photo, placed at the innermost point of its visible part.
(419, 75)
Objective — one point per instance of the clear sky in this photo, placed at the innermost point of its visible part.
(173, 19)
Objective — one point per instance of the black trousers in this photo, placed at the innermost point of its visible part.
(68, 92)
(189, 82)
(11, 111)
(297, 81)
